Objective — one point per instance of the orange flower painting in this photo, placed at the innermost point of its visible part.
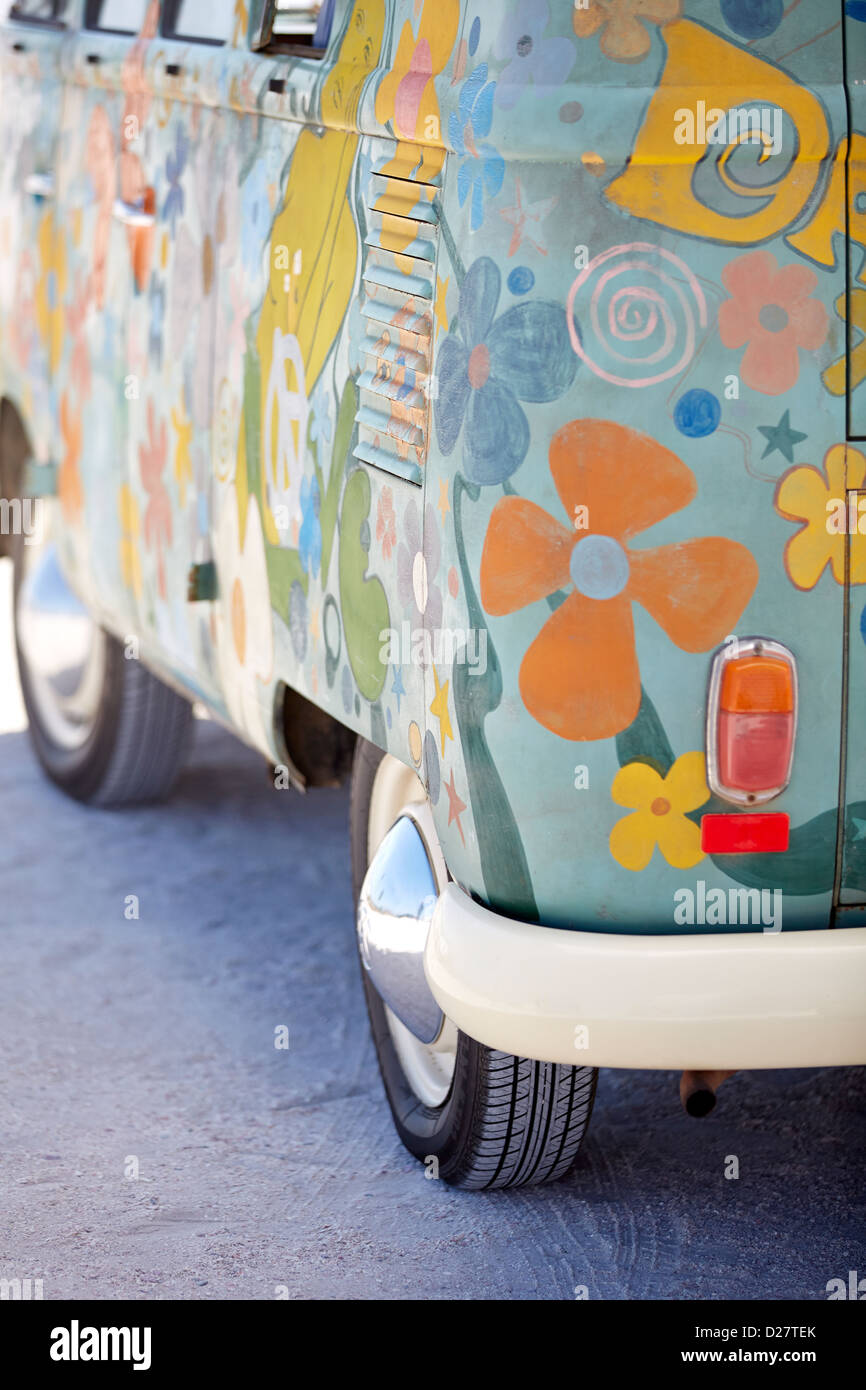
(133, 187)
(102, 168)
(69, 477)
(622, 23)
(580, 677)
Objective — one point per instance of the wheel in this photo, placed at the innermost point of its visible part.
(104, 729)
(478, 1118)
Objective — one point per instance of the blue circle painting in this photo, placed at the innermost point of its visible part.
(753, 19)
(697, 413)
(521, 280)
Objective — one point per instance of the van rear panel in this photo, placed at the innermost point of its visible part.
(681, 193)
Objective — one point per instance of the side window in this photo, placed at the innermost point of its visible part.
(115, 16)
(38, 11)
(199, 21)
(291, 26)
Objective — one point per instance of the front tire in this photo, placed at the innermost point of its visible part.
(493, 1120)
(105, 729)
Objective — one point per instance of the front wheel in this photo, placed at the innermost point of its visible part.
(481, 1117)
(105, 729)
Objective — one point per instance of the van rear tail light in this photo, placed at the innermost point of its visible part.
(751, 720)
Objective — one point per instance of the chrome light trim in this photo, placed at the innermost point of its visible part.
(737, 647)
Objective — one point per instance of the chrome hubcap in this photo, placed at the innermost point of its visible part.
(406, 874)
(62, 648)
(395, 909)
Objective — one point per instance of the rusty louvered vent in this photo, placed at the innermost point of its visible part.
(399, 278)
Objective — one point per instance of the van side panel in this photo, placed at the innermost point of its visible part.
(98, 376)
(218, 372)
(32, 270)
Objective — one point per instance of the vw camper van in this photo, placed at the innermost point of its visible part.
(467, 397)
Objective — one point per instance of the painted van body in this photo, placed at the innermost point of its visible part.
(480, 379)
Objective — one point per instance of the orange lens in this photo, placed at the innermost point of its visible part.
(757, 685)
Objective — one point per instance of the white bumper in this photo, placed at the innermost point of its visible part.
(790, 999)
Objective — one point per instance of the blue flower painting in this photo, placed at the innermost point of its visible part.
(533, 59)
(481, 170)
(488, 365)
(175, 163)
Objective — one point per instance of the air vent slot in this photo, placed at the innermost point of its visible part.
(398, 289)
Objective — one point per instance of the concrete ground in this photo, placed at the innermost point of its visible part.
(147, 1047)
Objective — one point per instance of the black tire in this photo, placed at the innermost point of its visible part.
(139, 737)
(507, 1121)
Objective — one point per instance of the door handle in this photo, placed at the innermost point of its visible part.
(39, 185)
(132, 214)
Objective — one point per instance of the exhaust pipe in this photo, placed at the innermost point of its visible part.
(698, 1091)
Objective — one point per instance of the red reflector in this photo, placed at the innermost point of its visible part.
(754, 750)
(762, 832)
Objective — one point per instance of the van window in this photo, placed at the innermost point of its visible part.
(38, 11)
(115, 16)
(201, 21)
(292, 25)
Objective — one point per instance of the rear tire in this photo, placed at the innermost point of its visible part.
(107, 731)
(505, 1121)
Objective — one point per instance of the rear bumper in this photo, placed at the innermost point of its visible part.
(790, 999)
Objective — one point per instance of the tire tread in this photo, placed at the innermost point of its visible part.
(538, 1137)
(153, 729)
